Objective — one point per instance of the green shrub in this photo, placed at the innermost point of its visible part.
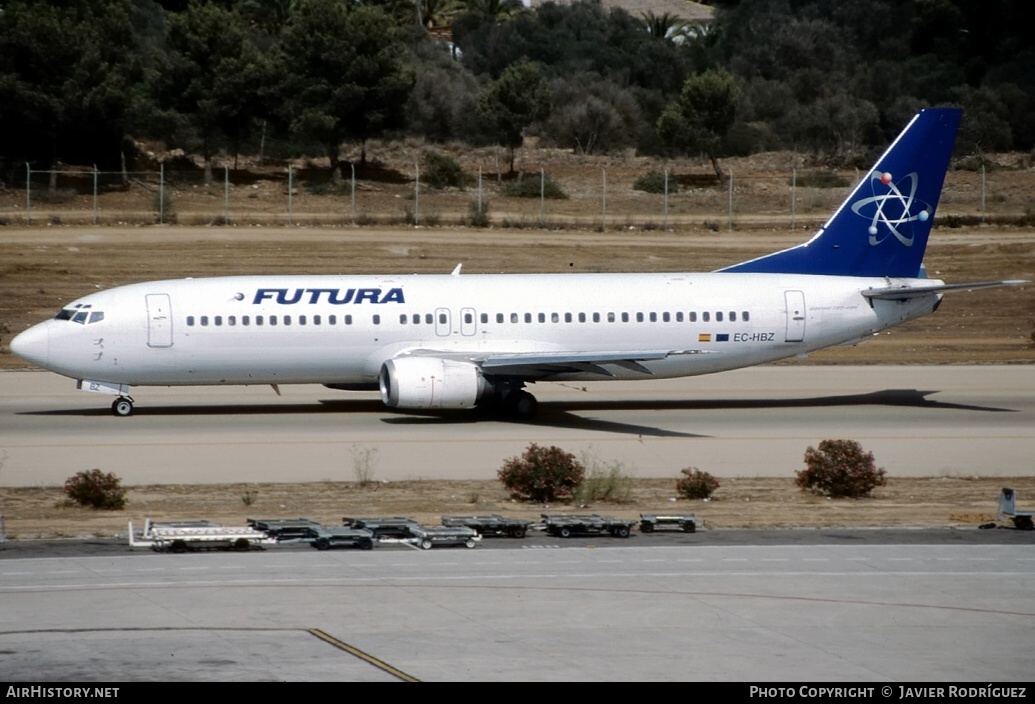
(531, 186)
(654, 182)
(442, 171)
(542, 474)
(839, 469)
(695, 484)
(604, 482)
(97, 490)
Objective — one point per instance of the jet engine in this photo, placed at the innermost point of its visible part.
(430, 382)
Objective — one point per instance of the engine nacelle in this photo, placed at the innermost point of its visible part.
(429, 382)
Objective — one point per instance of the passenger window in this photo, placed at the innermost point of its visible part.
(347, 319)
(332, 320)
(273, 320)
(485, 318)
(528, 317)
(428, 318)
(258, 320)
(514, 318)
(190, 321)
(246, 320)
(693, 316)
(219, 320)
(718, 317)
(610, 317)
(301, 320)
(733, 316)
(542, 317)
(377, 319)
(316, 320)
(639, 317)
(555, 317)
(596, 317)
(416, 318)
(567, 317)
(582, 317)
(499, 317)
(625, 317)
(665, 317)
(441, 318)
(231, 320)
(403, 318)
(653, 317)
(705, 316)
(744, 316)
(468, 318)
(679, 316)
(204, 320)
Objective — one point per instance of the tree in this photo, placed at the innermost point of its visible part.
(343, 75)
(510, 104)
(702, 115)
(212, 77)
(67, 72)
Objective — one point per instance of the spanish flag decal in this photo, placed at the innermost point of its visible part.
(704, 337)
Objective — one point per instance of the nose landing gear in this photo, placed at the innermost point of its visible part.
(122, 406)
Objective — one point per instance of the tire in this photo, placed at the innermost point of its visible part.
(425, 544)
(564, 532)
(689, 527)
(621, 532)
(1023, 523)
(646, 527)
(365, 544)
(470, 543)
(517, 532)
(122, 407)
(322, 544)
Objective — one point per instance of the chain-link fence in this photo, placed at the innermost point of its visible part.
(591, 198)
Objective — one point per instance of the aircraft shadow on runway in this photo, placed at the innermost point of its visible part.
(564, 414)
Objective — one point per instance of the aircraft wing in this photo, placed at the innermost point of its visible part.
(899, 293)
(538, 365)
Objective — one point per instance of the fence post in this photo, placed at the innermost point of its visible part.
(291, 188)
(982, 192)
(794, 191)
(28, 194)
(161, 194)
(352, 165)
(480, 193)
(603, 200)
(226, 194)
(95, 175)
(665, 225)
(416, 195)
(542, 198)
(730, 225)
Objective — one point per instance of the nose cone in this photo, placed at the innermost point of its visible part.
(33, 345)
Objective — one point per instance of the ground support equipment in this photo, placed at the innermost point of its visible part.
(494, 525)
(327, 537)
(196, 535)
(1022, 520)
(404, 531)
(287, 530)
(568, 525)
(684, 522)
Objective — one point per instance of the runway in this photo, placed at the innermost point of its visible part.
(808, 613)
(918, 421)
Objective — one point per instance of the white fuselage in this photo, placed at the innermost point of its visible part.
(341, 329)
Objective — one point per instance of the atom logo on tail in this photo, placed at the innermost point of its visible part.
(894, 208)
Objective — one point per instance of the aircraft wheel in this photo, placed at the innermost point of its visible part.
(524, 405)
(122, 406)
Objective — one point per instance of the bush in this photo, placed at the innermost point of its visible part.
(442, 171)
(604, 482)
(478, 216)
(97, 490)
(542, 474)
(654, 182)
(695, 484)
(840, 468)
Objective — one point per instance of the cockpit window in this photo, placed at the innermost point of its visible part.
(64, 314)
(81, 317)
(96, 317)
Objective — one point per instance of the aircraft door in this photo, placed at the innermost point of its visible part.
(795, 315)
(443, 325)
(468, 321)
(159, 320)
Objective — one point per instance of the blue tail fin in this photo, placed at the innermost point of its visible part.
(882, 228)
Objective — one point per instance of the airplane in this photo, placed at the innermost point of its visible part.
(454, 341)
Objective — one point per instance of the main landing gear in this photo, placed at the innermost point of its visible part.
(122, 406)
(518, 403)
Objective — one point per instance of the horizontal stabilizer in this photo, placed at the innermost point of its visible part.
(898, 293)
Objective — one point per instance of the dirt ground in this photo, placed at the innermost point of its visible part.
(62, 257)
(743, 502)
